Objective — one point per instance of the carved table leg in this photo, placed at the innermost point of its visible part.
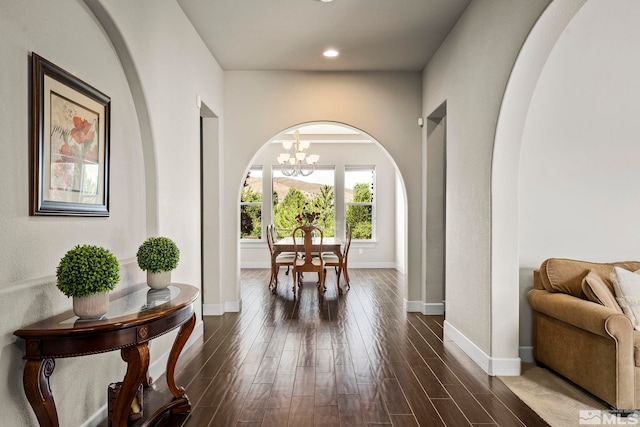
(137, 358)
(181, 402)
(36, 387)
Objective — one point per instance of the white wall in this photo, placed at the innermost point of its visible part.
(580, 146)
(470, 72)
(149, 59)
(380, 254)
(259, 105)
(174, 67)
(65, 33)
(400, 225)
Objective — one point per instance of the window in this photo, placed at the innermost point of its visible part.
(313, 193)
(251, 205)
(359, 185)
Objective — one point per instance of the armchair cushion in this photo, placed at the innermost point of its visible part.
(596, 290)
(627, 288)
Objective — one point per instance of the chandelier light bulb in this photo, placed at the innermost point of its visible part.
(292, 160)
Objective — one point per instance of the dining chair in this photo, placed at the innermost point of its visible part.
(284, 259)
(332, 260)
(306, 259)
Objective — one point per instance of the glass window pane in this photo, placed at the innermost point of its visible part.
(358, 179)
(251, 221)
(360, 218)
(251, 205)
(359, 189)
(252, 189)
(293, 195)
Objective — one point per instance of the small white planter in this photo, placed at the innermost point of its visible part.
(158, 280)
(92, 306)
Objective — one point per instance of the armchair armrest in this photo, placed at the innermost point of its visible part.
(583, 314)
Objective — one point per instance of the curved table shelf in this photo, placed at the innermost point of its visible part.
(132, 321)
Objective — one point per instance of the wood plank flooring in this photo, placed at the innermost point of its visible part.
(354, 360)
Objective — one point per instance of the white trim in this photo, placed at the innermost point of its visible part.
(491, 365)
(433, 308)
(255, 264)
(253, 243)
(156, 370)
(373, 265)
(506, 367)
(426, 308)
(24, 285)
(526, 353)
(220, 309)
(412, 306)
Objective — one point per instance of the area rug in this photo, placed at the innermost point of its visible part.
(558, 401)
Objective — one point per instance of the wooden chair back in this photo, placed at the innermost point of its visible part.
(303, 246)
(270, 238)
(347, 245)
(308, 258)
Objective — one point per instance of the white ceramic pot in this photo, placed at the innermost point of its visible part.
(158, 280)
(92, 306)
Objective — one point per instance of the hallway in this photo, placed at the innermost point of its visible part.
(357, 360)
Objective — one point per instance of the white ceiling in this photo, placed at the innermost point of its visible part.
(371, 35)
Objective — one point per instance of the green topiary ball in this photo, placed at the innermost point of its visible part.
(158, 254)
(86, 270)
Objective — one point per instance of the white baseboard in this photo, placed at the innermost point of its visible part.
(526, 354)
(156, 370)
(255, 264)
(372, 265)
(220, 309)
(426, 308)
(491, 365)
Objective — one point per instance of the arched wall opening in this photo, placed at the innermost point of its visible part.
(508, 299)
(261, 105)
(340, 146)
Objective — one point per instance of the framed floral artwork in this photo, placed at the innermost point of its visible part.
(70, 122)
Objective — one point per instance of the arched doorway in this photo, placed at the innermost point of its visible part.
(345, 153)
(506, 298)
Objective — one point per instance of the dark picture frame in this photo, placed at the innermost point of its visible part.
(70, 139)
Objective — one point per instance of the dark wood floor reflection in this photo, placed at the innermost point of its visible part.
(354, 360)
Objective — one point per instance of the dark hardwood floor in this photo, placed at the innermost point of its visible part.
(354, 360)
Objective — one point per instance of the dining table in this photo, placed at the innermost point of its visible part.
(329, 244)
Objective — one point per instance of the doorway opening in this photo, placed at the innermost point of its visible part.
(350, 161)
(436, 175)
(209, 202)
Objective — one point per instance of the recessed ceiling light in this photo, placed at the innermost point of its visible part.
(331, 53)
(325, 1)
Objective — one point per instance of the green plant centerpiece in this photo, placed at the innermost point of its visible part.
(88, 273)
(158, 256)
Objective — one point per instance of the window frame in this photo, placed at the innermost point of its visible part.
(372, 203)
(259, 168)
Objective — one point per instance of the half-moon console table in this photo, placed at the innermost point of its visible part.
(132, 321)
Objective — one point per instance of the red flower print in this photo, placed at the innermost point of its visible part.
(65, 152)
(82, 132)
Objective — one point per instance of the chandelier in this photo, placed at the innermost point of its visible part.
(292, 159)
